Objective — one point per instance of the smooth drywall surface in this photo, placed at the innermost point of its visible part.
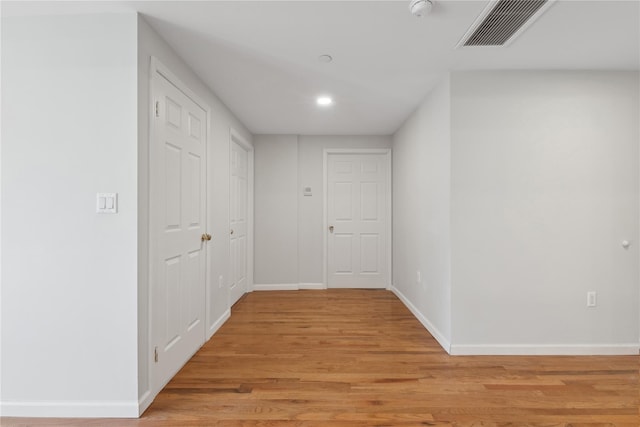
(544, 190)
(421, 212)
(276, 209)
(221, 121)
(310, 208)
(69, 276)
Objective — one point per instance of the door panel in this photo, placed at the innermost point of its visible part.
(172, 176)
(195, 128)
(369, 201)
(195, 185)
(343, 253)
(172, 313)
(357, 206)
(343, 203)
(177, 209)
(369, 250)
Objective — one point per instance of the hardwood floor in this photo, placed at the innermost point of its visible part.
(359, 358)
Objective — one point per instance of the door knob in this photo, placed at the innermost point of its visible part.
(231, 231)
(331, 229)
(205, 237)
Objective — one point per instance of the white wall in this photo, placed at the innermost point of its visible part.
(544, 189)
(512, 194)
(75, 283)
(421, 213)
(276, 209)
(69, 276)
(289, 230)
(222, 120)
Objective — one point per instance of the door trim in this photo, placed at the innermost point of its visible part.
(325, 204)
(235, 136)
(158, 69)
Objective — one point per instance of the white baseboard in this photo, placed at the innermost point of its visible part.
(442, 340)
(544, 349)
(519, 349)
(312, 286)
(144, 402)
(276, 287)
(218, 323)
(288, 286)
(71, 409)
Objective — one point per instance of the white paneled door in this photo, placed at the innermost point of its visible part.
(239, 220)
(178, 234)
(357, 220)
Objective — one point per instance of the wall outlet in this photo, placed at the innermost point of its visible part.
(220, 281)
(418, 277)
(591, 298)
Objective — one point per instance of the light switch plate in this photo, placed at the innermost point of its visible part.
(107, 203)
(592, 299)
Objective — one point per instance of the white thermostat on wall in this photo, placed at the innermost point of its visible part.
(107, 203)
(307, 191)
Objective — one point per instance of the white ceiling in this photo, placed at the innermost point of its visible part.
(260, 57)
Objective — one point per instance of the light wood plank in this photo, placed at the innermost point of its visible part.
(359, 358)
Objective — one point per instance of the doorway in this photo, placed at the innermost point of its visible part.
(357, 218)
(177, 225)
(240, 217)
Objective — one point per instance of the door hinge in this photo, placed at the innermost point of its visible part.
(155, 354)
(157, 108)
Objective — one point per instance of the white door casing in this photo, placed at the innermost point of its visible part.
(357, 218)
(178, 235)
(240, 218)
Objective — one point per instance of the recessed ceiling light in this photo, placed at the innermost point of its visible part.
(324, 101)
(325, 58)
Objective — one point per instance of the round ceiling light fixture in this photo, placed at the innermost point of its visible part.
(325, 58)
(420, 8)
(324, 101)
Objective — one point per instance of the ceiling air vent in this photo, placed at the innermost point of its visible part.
(502, 21)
